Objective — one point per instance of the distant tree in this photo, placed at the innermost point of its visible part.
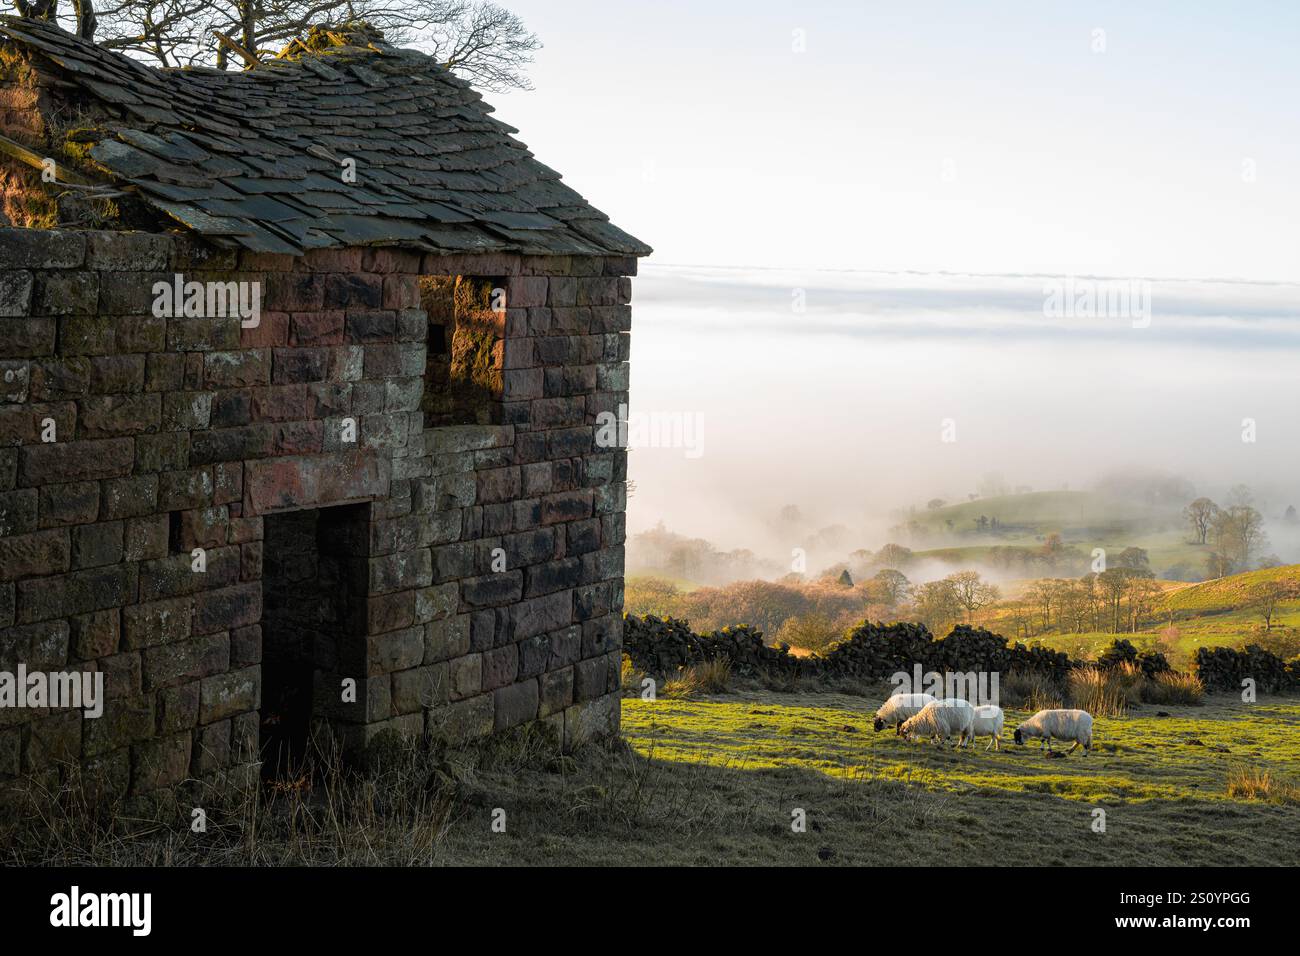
(1021, 615)
(1091, 594)
(1265, 598)
(1135, 558)
(1114, 586)
(1291, 517)
(893, 556)
(1238, 533)
(1048, 594)
(1073, 607)
(972, 592)
(1218, 565)
(1240, 496)
(934, 504)
(845, 579)
(889, 587)
(935, 603)
(1142, 592)
(1200, 515)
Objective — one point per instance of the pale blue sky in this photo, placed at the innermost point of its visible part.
(696, 127)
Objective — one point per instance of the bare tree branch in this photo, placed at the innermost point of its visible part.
(483, 42)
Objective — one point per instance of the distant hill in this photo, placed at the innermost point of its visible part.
(1039, 511)
(1231, 593)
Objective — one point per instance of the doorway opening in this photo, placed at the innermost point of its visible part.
(313, 608)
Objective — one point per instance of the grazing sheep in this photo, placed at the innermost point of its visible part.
(940, 720)
(1073, 725)
(988, 720)
(900, 707)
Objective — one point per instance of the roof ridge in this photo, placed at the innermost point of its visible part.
(334, 144)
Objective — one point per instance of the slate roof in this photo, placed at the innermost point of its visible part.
(253, 158)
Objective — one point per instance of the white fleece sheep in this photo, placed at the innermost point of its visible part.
(940, 720)
(1073, 725)
(900, 707)
(988, 721)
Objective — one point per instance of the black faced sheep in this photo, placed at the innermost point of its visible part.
(900, 707)
(1073, 725)
(950, 717)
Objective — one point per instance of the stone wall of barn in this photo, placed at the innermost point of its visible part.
(485, 581)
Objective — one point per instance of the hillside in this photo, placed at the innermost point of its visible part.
(1039, 511)
(1230, 593)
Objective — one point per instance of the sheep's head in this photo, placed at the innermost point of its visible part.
(879, 724)
(1019, 737)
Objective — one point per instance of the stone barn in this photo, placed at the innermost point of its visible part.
(302, 377)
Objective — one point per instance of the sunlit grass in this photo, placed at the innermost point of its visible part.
(1138, 757)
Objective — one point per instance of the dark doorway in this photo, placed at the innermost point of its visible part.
(313, 584)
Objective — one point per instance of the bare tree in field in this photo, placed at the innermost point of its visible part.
(1266, 598)
(972, 592)
(1200, 515)
(1239, 534)
(483, 42)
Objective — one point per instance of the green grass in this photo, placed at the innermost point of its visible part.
(1140, 757)
(1230, 593)
(1163, 781)
(1053, 509)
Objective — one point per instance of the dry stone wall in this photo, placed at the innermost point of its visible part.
(483, 568)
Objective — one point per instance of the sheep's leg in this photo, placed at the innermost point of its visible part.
(1072, 749)
(1049, 743)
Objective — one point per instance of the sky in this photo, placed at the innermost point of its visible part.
(1021, 137)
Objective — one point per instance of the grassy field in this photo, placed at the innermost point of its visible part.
(1060, 509)
(1162, 781)
(717, 780)
(1216, 613)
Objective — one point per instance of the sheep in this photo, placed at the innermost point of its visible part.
(900, 707)
(1073, 725)
(941, 719)
(987, 720)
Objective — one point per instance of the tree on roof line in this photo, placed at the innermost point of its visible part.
(483, 42)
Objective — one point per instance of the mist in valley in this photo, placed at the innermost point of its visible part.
(807, 416)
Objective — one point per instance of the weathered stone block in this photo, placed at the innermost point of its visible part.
(180, 662)
(466, 676)
(516, 704)
(446, 638)
(42, 248)
(463, 721)
(225, 695)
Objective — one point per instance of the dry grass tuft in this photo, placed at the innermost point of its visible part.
(709, 677)
(1029, 691)
(1251, 783)
(1103, 693)
(1174, 688)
